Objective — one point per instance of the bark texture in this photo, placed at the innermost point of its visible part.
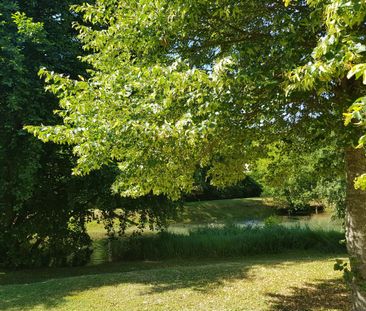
(356, 227)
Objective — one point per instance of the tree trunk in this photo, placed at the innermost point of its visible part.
(356, 227)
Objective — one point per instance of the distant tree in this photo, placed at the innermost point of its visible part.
(297, 178)
(246, 188)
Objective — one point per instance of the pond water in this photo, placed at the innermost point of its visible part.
(323, 221)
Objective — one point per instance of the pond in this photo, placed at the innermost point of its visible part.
(324, 221)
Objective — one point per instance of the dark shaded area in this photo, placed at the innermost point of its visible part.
(202, 278)
(34, 275)
(325, 295)
(306, 210)
(247, 188)
(41, 220)
(43, 209)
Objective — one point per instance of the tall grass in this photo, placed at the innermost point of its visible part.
(228, 241)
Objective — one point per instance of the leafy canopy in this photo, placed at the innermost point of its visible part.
(338, 56)
(178, 85)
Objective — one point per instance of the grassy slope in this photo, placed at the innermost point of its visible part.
(272, 283)
(223, 211)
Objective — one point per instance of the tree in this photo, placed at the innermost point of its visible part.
(175, 86)
(124, 112)
(246, 188)
(43, 208)
(296, 178)
(337, 58)
(39, 224)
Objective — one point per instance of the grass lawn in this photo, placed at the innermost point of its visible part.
(286, 282)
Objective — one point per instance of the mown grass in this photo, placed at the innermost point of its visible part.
(296, 282)
(225, 242)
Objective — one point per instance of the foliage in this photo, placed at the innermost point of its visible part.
(338, 61)
(296, 178)
(41, 222)
(43, 209)
(272, 221)
(246, 188)
(339, 52)
(177, 86)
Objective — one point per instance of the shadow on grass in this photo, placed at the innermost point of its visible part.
(55, 292)
(324, 295)
(56, 287)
